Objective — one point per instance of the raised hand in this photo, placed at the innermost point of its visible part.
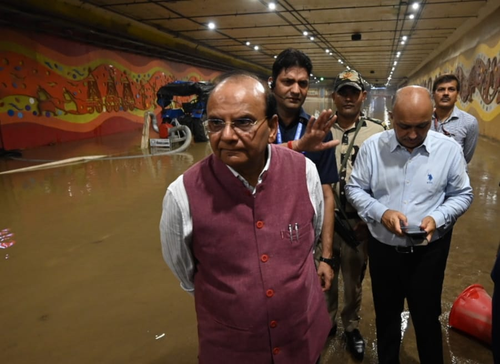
(316, 131)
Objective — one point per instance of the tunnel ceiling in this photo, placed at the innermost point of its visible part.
(179, 30)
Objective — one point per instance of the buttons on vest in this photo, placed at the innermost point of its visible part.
(259, 224)
(273, 324)
(276, 351)
(264, 258)
(269, 293)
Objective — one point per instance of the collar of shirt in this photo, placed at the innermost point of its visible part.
(394, 143)
(303, 118)
(353, 127)
(454, 115)
(259, 180)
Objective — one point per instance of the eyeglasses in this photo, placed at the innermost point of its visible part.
(244, 125)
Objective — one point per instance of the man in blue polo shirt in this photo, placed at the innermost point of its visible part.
(298, 131)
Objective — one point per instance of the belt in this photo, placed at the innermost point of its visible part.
(407, 249)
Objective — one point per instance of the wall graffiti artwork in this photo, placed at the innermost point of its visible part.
(54, 90)
(483, 77)
(479, 73)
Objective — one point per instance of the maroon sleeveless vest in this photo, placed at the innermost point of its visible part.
(257, 295)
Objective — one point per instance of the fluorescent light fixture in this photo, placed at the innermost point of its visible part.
(395, 62)
(211, 25)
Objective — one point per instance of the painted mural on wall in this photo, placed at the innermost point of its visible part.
(54, 90)
(479, 73)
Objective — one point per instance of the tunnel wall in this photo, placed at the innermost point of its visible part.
(54, 90)
(475, 60)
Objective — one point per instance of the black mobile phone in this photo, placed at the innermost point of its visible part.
(414, 232)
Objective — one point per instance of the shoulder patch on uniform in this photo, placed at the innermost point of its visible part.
(379, 122)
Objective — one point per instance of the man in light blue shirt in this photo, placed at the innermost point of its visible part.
(449, 120)
(405, 179)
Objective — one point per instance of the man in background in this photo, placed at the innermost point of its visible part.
(352, 128)
(301, 133)
(410, 185)
(449, 120)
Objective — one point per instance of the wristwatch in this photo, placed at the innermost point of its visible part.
(330, 262)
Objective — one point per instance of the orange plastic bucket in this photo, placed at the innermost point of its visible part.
(471, 313)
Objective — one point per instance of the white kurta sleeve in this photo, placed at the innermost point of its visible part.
(316, 195)
(176, 227)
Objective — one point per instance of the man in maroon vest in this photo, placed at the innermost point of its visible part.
(238, 230)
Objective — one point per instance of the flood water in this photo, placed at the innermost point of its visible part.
(84, 279)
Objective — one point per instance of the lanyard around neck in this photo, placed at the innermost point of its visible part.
(279, 139)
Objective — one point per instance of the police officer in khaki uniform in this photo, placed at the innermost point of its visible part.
(352, 128)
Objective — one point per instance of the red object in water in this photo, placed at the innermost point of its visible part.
(164, 129)
(471, 313)
(8, 244)
(6, 239)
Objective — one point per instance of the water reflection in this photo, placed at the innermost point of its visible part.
(378, 105)
(6, 238)
(405, 317)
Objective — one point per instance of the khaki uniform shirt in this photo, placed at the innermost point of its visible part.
(367, 129)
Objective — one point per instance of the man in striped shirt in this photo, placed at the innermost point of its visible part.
(449, 120)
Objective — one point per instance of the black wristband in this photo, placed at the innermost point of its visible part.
(330, 262)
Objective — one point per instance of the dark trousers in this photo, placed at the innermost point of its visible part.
(495, 333)
(418, 277)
